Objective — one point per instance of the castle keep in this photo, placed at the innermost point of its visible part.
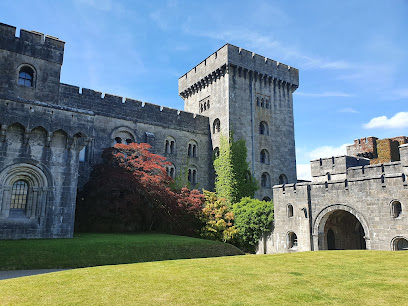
(52, 133)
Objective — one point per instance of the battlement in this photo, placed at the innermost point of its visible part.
(228, 56)
(31, 43)
(335, 165)
(129, 109)
(384, 180)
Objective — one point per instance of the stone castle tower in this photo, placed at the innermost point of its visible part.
(250, 95)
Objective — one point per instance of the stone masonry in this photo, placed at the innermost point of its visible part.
(350, 204)
(53, 133)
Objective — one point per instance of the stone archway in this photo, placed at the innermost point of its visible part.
(340, 227)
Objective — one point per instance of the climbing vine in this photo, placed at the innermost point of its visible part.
(233, 179)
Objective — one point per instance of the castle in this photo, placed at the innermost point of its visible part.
(52, 133)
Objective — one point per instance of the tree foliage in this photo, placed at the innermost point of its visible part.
(233, 177)
(252, 218)
(218, 219)
(130, 191)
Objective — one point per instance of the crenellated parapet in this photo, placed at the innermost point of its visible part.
(129, 109)
(374, 182)
(31, 43)
(242, 62)
(335, 166)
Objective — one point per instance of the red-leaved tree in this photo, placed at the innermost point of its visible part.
(130, 191)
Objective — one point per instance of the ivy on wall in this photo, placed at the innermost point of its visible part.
(233, 179)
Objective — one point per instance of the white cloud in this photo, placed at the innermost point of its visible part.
(349, 110)
(303, 172)
(399, 120)
(323, 94)
(328, 151)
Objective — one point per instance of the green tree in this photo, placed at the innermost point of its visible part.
(252, 218)
(233, 179)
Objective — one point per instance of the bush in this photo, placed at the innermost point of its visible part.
(218, 219)
(252, 218)
(130, 191)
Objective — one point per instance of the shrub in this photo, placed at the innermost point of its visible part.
(218, 219)
(130, 191)
(252, 218)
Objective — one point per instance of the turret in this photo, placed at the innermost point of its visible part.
(30, 65)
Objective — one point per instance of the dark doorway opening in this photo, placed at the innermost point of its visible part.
(331, 242)
(343, 231)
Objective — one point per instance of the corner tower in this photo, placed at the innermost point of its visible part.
(251, 95)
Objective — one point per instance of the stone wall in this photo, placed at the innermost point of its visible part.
(368, 193)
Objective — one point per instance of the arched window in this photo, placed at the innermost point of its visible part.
(82, 154)
(192, 150)
(263, 128)
(171, 171)
(396, 209)
(283, 179)
(123, 137)
(19, 195)
(26, 188)
(262, 102)
(264, 157)
(26, 76)
(267, 199)
(257, 101)
(266, 103)
(170, 145)
(118, 140)
(167, 147)
(292, 241)
(216, 126)
(290, 210)
(192, 176)
(265, 180)
(400, 244)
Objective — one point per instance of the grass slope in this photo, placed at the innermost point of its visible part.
(325, 277)
(87, 250)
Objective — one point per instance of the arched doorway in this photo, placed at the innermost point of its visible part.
(349, 229)
(343, 231)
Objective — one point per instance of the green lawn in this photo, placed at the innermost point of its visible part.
(87, 250)
(325, 277)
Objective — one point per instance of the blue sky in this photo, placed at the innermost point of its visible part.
(352, 55)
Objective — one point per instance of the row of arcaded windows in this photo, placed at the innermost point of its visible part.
(170, 147)
(262, 102)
